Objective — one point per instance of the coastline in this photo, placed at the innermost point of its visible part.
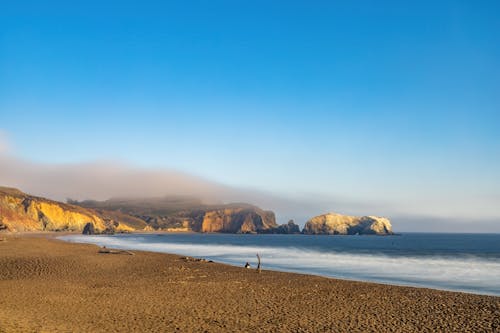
(286, 254)
(53, 285)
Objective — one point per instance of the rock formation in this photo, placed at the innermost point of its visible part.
(22, 212)
(288, 228)
(336, 224)
(88, 229)
(246, 219)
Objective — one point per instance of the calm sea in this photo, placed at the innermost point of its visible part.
(459, 262)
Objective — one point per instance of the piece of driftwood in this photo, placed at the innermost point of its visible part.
(105, 250)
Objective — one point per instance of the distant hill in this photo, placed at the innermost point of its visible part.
(23, 212)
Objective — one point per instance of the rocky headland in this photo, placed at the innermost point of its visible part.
(235, 220)
(23, 212)
(184, 214)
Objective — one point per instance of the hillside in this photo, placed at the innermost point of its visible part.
(23, 212)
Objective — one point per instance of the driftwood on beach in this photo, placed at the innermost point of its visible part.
(105, 250)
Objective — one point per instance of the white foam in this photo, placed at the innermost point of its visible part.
(470, 274)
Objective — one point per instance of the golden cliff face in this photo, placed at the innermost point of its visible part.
(22, 212)
(333, 224)
(54, 217)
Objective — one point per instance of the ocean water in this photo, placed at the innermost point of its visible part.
(458, 262)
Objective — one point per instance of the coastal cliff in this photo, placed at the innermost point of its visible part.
(232, 218)
(236, 220)
(184, 214)
(288, 228)
(22, 212)
(337, 224)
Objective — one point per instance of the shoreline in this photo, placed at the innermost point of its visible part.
(304, 271)
(49, 284)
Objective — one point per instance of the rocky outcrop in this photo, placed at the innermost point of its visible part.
(336, 224)
(234, 220)
(288, 228)
(22, 212)
(89, 229)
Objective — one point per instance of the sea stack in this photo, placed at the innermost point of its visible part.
(337, 224)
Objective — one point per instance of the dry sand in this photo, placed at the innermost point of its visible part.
(47, 285)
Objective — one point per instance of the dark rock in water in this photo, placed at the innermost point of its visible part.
(89, 229)
(291, 227)
(288, 228)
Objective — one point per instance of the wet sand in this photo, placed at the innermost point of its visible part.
(48, 285)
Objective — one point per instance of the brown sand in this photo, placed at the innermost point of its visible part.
(47, 285)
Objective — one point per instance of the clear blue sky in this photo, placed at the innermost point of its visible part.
(374, 101)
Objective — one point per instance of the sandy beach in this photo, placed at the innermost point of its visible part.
(47, 285)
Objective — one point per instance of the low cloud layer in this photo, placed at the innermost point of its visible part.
(104, 180)
(109, 179)
(4, 144)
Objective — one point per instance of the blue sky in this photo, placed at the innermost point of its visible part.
(374, 102)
